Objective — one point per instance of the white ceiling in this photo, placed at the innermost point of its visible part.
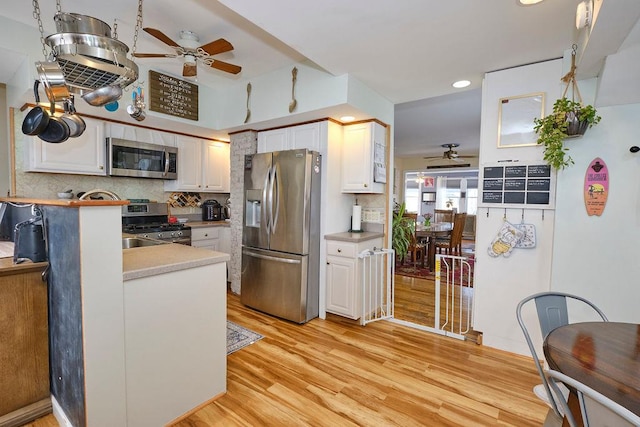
(409, 51)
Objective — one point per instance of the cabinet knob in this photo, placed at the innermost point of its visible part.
(327, 263)
(101, 167)
(365, 186)
(206, 235)
(339, 250)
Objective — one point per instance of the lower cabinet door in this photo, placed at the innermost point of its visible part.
(342, 287)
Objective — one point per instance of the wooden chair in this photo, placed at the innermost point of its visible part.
(416, 249)
(453, 244)
(443, 215)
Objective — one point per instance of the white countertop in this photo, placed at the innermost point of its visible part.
(153, 260)
(347, 236)
(202, 224)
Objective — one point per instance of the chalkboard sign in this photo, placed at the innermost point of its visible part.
(519, 185)
(172, 96)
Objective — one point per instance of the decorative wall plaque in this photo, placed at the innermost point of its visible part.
(172, 96)
(596, 187)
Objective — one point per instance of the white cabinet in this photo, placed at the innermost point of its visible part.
(215, 238)
(364, 145)
(203, 166)
(206, 237)
(83, 155)
(216, 167)
(344, 276)
(290, 138)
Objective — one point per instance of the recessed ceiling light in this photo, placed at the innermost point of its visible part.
(461, 83)
(528, 2)
(347, 119)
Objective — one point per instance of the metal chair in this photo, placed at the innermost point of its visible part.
(552, 313)
(595, 408)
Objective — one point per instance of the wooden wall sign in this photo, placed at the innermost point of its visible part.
(596, 187)
(170, 95)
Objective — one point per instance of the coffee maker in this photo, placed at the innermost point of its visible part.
(23, 225)
(212, 211)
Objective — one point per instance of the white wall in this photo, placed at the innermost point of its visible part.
(597, 257)
(500, 283)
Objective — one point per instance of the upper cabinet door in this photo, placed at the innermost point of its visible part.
(216, 169)
(358, 145)
(189, 165)
(273, 140)
(305, 136)
(83, 155)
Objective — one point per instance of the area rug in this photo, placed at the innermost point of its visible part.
(239, 337)
(410, 270)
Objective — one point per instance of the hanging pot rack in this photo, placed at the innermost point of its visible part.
(85, 54)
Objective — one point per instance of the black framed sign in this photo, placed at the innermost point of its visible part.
(517, 185)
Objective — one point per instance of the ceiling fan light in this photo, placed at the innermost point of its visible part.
(189, 59)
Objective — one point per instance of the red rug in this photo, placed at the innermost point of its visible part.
(409, 270)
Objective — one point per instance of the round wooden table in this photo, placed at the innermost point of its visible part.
(433, 231)
(603, 355)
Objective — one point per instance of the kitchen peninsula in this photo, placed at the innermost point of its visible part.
(138, 336)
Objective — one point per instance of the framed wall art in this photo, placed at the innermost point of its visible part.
(515, 119)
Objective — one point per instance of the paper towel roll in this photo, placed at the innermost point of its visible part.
(356, 218)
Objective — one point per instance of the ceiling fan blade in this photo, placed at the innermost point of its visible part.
(155, 55)
(161, 36)
(225, 66)
(216, 47)
(189, 70)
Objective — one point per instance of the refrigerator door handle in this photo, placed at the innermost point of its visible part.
(272, 258)
(265, 203)
(276, 192)
(272, 172)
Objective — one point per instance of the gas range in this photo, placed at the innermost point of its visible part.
(151, 220)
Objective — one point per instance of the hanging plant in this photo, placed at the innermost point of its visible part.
(570, 118)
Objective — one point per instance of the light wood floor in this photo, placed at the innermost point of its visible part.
(336, 373)
(415, 302)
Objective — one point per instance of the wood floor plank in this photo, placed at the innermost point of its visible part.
(335, 372)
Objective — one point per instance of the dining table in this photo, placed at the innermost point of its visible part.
(603, 355)
(430, 233)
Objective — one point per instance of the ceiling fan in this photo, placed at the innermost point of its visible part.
(189, 48)
(449, 154)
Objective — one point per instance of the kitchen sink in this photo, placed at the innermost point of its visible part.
(138, 242)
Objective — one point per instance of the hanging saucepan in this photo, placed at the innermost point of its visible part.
(57, 130)
(53, 81)
(83, 24)
(37, 119)
(76, 125)
(103, 95)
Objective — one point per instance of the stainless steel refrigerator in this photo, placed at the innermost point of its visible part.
(281, 234)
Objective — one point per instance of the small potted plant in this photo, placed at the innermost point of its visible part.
(401, 232)
(569, 119)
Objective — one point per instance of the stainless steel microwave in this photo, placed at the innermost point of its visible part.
(141, 159)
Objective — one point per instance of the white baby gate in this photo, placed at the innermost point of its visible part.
(457, 274)
(453, 279)
(377, 270)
